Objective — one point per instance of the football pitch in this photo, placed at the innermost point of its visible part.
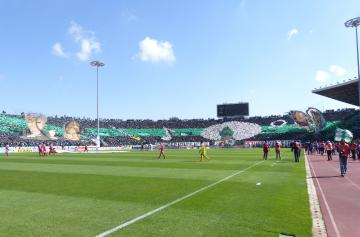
(233, 194)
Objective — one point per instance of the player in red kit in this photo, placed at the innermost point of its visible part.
(278, 150)
(161, 151)
(40, 150)
(7, 150)
(43, 149)
(266, 147)
(52, 149)
(86, 148)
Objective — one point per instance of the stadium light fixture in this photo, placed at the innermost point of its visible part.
(355, 22)
(97, 64)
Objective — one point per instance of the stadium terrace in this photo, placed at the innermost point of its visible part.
(16, 130)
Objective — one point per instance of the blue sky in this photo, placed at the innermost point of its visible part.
(173, 58)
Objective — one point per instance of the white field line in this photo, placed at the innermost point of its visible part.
(318, 228)
(123, 225)
(332, 220)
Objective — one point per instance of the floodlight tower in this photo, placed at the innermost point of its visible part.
(356, 23)
(97, 64)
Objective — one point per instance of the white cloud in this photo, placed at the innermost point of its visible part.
(58, 50)
(334, 70)
(291, 33)
(86, 39)
(337, 70)
(152, 50)
(321, 76)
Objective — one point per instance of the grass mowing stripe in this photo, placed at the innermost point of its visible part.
(186, 164)
(168, 173)
(121, 226)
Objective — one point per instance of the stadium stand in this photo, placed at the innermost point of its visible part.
(115, 132)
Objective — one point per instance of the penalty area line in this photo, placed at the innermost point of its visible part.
(123, 225)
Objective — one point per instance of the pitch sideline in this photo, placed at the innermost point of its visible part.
(318, 225)
(123, 225)
(327, 207)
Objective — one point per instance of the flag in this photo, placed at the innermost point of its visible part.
(167, 136)
(343, 134)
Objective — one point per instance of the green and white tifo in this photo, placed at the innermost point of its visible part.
(88, 194)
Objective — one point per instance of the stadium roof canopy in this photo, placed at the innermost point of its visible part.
(345, 92)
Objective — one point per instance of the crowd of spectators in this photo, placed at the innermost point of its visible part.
(18, 141)
(172, 123)
(238, 130)
(340, 114)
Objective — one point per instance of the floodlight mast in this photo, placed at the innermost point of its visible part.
(356, 23)
(97, 64)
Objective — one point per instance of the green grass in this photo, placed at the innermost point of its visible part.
(86, 194)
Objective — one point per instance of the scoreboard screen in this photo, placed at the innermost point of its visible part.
(232, 110)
